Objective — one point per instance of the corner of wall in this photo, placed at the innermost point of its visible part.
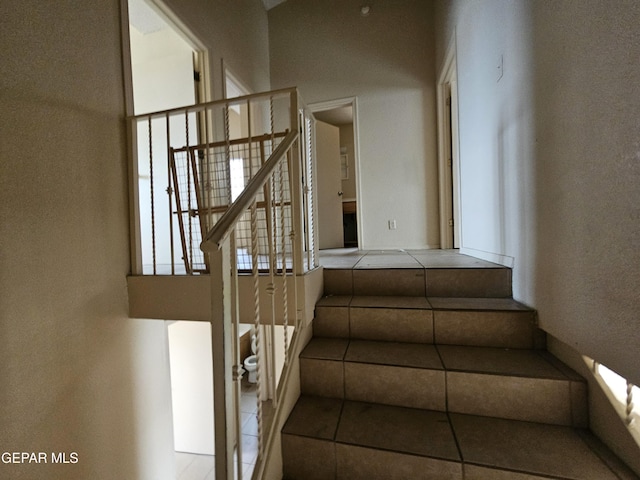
(604, 421)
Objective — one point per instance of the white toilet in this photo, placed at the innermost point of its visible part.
(251, 362)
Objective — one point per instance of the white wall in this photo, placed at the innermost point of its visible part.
(76, 373)
(330, 51)
(192, 386)
(496, 112)
(162, 68)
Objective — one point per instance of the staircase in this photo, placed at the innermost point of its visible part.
(433, 371)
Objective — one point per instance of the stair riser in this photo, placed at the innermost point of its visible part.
(553, 402)
(349, 462)
(399, 386)
(323, 378)
(486, 329)
(556, 402)
(391, 325)
(503, 329)
(445, 282)
(361, 463)
(308, 458)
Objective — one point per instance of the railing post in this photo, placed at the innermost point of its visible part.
(134, 204)
(222, 362)
(295, 178)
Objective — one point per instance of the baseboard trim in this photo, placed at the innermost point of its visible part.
(500, 259)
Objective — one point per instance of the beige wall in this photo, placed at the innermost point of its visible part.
(588, 177)
(77, 374)
(386, 60)
(550, 160)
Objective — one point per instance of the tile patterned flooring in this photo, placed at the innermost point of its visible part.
(191, 466)
(352, 258)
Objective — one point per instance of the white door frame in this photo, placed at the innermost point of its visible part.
(339, 103)
(448, 152)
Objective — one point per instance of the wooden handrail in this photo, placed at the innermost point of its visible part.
(222, 228)
(196, 107)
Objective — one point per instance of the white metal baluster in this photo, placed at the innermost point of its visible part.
(237, 367)
(270, 202)
(256, 319)
(209, 164)
(273, 261)
(153, 211)
(296, 245)
(250, 140)
(227, 152)
(629, 403)
(190, 262)
(312, 254)
(170, 194)
(283, 246)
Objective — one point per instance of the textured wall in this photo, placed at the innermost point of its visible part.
(550, 160)
(77, 375)
(550, 164)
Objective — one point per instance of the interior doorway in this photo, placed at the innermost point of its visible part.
(448, 153)
(342, 114)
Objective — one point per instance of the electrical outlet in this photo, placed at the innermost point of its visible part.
(392, 224)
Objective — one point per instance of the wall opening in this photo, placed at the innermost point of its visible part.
(343, 115)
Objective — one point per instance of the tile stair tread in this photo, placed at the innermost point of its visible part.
(423, 302)
(390, 302)
(525, 446)
(419, 432)
(326, 348)
(499, 361)
(315, 417)
(334, 301)
(515, 446)
(481, 304)
(482, 360)
(417, 355)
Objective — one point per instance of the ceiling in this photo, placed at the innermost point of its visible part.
(336, 116)
(144, 18)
